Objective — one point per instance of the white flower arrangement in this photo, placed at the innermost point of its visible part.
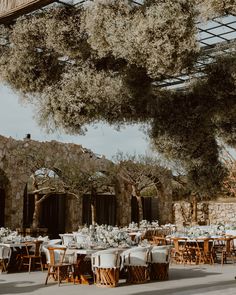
(7, 234)
(105, 236)
(204, 231)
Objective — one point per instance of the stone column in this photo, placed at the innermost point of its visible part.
(14, 206)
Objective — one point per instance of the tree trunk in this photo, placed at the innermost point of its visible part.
(93, 207)
(37, 209)
(118, 195)
(194, 202)
(136, 193)
(140, 208)
(93, 214)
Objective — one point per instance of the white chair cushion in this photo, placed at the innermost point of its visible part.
(159, 254)
(135, 256)
(57, 253)
(45, 246)
(105, 260)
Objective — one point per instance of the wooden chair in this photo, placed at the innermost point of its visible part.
(228, 250)
(159, 259)
(196, 251)
(149, 235)
(28, 258)
(208, 251)
(159, 241)
(106, 268)
(5, 255)
(219, 245)
(136, 265)
(57, 268)
(83, 272)
(180, 252)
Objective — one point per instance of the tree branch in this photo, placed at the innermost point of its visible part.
(42, 189)
(48, 195)
(74, 195)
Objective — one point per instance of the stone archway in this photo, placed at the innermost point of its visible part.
(50, 214)
(20, 158)
(163, 199)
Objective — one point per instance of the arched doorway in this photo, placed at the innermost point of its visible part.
(150, 209)
(52, 209)
(52, 215)
(105, 206)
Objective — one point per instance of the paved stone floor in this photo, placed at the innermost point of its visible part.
(184, 280)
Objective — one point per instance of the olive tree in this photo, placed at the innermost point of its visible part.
(141, 173)
(102, 61)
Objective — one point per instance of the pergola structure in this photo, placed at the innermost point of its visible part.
(216, 37)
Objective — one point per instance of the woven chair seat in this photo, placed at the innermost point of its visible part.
(107, 277)
(159, 271)
(137, 274)
(159, 259)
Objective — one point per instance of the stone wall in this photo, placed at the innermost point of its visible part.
(164, 196)
(222, 213)
(19, 159)
(213, 212)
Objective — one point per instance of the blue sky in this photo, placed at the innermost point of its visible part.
(16, 120)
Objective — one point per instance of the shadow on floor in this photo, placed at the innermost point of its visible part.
(194, 272)
(180, 273)
(198, 289)
(16, 287)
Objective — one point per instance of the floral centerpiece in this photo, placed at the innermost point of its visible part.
(105, 236)
(6, 234)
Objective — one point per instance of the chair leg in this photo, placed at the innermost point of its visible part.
(41, 263)
(73, 273)
(4, 265)
(30, 261)
(223, 258)
(21, 261)
(47, 275)
(58, 275)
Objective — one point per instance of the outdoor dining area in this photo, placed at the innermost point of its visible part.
(103, 255)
